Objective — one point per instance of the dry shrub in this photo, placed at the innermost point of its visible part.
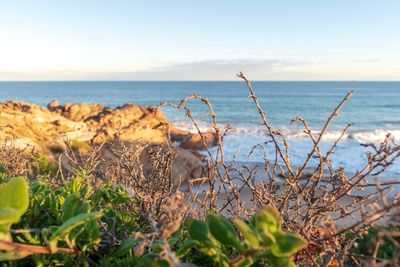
(329, 207)
(169, 220)
(90, 162)
(16, 159)
(144, 169)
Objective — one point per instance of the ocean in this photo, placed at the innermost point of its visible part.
(374, 109)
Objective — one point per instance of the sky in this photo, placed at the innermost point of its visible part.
(199, 40)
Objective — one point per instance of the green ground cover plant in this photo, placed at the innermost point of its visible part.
(68, 224)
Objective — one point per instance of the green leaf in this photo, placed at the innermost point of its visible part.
(14, 201)
(205, 242)
(2, 169)
(151, 260)
(9, 216)
(70, 224)
(266, 218)
(271, 210)
(223, 231)
(157, 246)
(275, 261)
(73, 206)
(286, 244)
(70, 206)
(198, 230)
(249, 234)
(76, 184)
(185, 248)
(125, 247)
(92, 232)
(262, 229)
(12, 256)
(172, 241)
(14, 194)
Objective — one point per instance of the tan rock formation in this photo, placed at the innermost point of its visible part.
(53, 104)
(186, 166)
(31, 124)
(84, 122)
(195, 141)
(47, 128)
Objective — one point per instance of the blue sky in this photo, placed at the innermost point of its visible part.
(199, 40)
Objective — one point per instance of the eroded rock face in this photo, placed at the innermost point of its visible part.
(127, 123)
(76, 112)
(81, 111)
(85, 122)
(45, 128)
(38, 126)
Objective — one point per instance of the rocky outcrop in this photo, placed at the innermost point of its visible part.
(85, 122)
(126, 123)
(31, 124)
(45, 128)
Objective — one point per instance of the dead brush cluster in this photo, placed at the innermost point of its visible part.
(16, 160)
(329, 207)
(144, 169)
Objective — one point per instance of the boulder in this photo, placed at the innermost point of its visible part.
(186, 166)
(195, 141)
(53, 105)
(81, 111)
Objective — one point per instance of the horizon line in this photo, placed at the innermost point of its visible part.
(252, 80)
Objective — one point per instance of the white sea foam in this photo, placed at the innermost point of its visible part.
(328, 136)
(362, 137)
(350, 155)
(376, 136)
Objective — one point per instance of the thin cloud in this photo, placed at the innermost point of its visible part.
(220, 69)
(371, 60)
(208, 70)
(223, 69)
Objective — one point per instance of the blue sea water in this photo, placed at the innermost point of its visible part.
(374, 108)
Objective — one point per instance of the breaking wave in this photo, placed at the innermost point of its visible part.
(362, 137)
